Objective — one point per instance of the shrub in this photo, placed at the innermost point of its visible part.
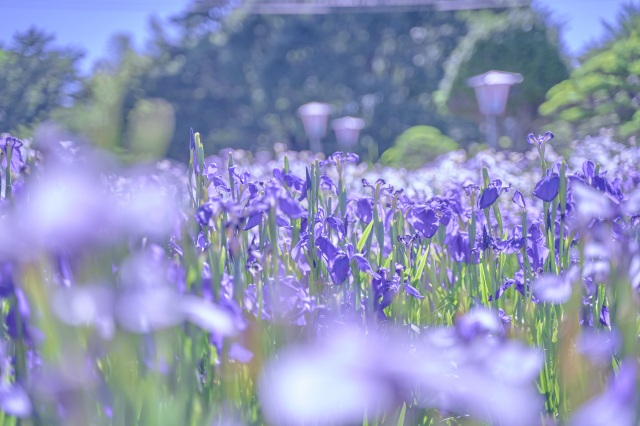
(416, 146)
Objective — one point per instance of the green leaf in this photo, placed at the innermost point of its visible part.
(402, 413)
(421, 264)
(363, 238)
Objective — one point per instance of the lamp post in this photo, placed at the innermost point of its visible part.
(492, 91)
(347, 130)
(315, 116)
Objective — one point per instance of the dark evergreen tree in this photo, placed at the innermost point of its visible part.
(35, 78)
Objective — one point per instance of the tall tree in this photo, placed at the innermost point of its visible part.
(604, 91)
(35, 78)
(240, 80)
(518, 40)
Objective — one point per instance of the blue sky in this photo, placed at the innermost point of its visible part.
(89, 24)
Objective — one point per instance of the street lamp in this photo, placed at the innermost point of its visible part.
(492, 91)
(315, 116)
(347, 130)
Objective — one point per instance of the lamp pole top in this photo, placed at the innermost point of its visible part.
(314, 109)
(348, 122)
(491, 78)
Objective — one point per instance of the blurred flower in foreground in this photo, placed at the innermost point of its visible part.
(64, 210)
(87, 201)
(552, 289)
(347, 377)
(617, 405)
(591, 204)
(598, 345)
(324, 384)
(14, 401)
(90, 305)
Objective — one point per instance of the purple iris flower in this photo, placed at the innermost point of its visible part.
(518, 199)
(289, 179)
(363, 264)
(385, 288)
(239, 178)
(212, 170)
(219, 183)
(364, 211)
(604, 316)
(306, 186)
(479, 321)
(518, 282)
(338, 261)
(547, 188)
(327, 184)
(291, 207)
(601, 183)
(282, 221)
(326, 247)
(540, 140)
(411, 290)
(536, 248)
(298, 252)
(253, 220)
(459, 248)
(29, 333)
(7, 283)
(337, 379)
(343, 157)
(339, 269)
(500, 291)
(424, 220)
(201, 241)
(287, 300)
(372, 186)
(337, 225)
(552, 289)
(14, 144)
(490, 194)
(589, 171)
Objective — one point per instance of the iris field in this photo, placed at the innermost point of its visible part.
(500, 289)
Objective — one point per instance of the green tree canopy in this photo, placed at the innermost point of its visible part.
(113, 112)
(240, 81)
(605, 90)
(239, 78)
(524, 41)
(35, 78)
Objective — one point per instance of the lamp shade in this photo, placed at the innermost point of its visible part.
(315, 116)
(492, 90)
(347, 130)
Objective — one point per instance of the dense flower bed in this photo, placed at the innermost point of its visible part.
(500, 289)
